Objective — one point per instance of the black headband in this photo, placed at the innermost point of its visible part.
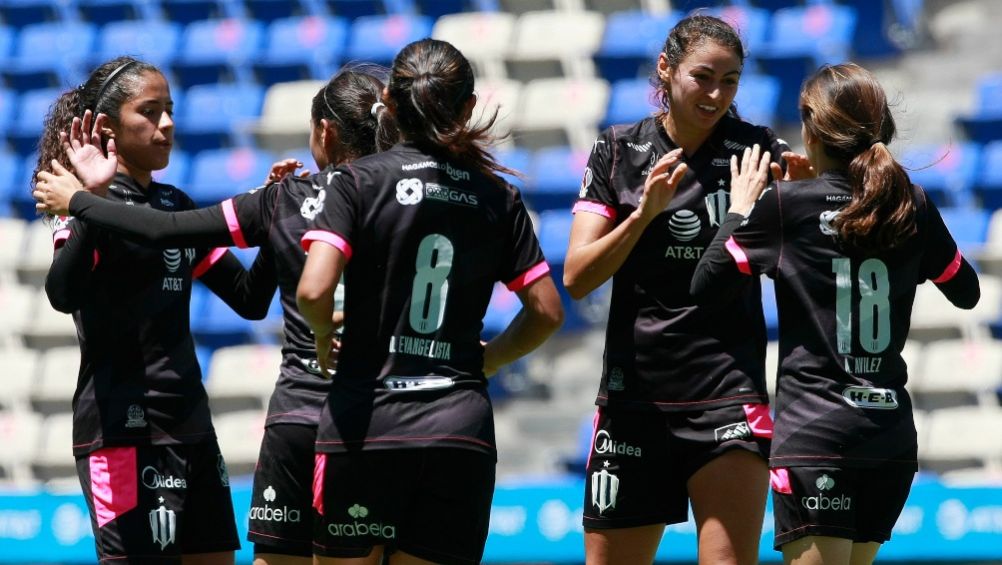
(107, 82)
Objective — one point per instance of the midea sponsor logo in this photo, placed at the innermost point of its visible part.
(604, 444)
(152, 479)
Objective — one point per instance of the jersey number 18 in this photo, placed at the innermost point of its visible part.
(874, 305)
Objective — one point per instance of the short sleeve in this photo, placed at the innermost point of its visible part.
(941, 259)
(525, 262)
(755, 245)
(597, 195)
(248, 216)
(335, 211)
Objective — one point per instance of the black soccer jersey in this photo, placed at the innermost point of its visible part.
(426, 238)
(139, 381)
(273, 217)
(662, 351)
(844, 316)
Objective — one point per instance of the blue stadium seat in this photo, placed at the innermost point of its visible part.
(947, 172)
(49, 54)
(213, 114)
(218, 174)
(215, 325)
(436, 8)
(218, 51)
(554, 234)
(758, 98)
(352, 9)
(503, 308)
(969, 227)
(885, 28)
(10, 177)
(377, 39)
(631, 43)
(630, 100)
(752, 24)
(270, 10)
(155, 42)
(21, 203)
(556, 178)
(176, 173)
(19, 13)
(8, 107)
(301, 48)
(800, 40)
(985, 123)
(7, 37)
(107, 11)
(518, 159)
(188, 11)
(988, 184)
(27, 123)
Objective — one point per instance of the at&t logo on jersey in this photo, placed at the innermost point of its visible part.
(312, 206)
(361, 528)
(605, 445)
(604, 489)
(821, 501)
(685, 225)
(163, 524)
(152, 479)
(871, 398)
(267, 513)
(410, 191)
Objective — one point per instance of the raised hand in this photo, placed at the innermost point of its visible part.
(285, 167)
(82, 146)
(660, 186)
(798, 167)
(53, 190)
(748, 179)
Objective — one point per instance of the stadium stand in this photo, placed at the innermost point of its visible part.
(483, 37)
(550, 44)
(284, 123)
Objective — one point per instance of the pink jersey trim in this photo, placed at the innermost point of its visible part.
(207, 263)
(739, 255)
(97, 259)
(330, 238)
(532, 275)
(594, 208)
(59, 238)
(951, 270)
(319, 468)
(113, 482)
(759, 420)
(233, 224)
(594, 431)
(779, 479)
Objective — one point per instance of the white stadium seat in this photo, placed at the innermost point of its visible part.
(572, 107)
(483, 37)
(242, 376)
(550, 44)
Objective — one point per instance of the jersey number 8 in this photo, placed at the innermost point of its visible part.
(431, 283)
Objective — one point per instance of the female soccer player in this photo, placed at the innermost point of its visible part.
(847, 250)
(406, 455)
(347, 121)
(147, 457)
(682, 385)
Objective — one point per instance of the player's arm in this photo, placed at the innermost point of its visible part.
(68, 282)
(315, 295)
(247, 292)
(540, 317)
(598, 248)
(962, 289)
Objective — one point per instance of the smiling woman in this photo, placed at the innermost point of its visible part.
(146, 453)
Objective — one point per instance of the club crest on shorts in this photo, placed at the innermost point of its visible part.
(163, 524)
(604, 489)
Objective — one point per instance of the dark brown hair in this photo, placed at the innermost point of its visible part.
(105, 91)
(845, 108)
(687, 34)
(349, 102)
(430, 84)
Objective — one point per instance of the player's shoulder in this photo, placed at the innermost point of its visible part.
(637, 132)
(738, 134)
(169, 197)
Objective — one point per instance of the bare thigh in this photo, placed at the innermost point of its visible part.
(622, 546)
(728, 502)
(818, 550)
(278, 559)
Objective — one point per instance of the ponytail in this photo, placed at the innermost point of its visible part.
(431, 85)
(881, 214)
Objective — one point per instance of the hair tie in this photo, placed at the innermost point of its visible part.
(374, 111)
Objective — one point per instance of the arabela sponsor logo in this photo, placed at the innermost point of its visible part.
(605, 445)
(268, 513)
(871, 398)
(822, 502)
(152, 479)
(356, 528)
